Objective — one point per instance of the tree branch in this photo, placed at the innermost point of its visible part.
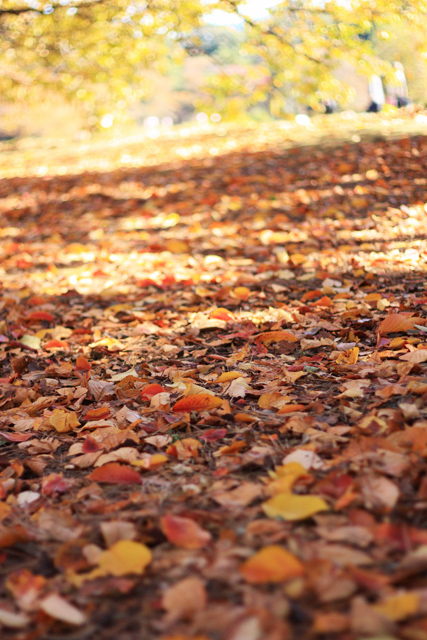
(72, 5)
(271, 31)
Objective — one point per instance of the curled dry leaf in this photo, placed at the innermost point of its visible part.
(184, 532)
(100, 413)
(271, 564)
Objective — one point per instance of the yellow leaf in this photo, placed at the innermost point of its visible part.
(271, 564)
(285, 477)
(126, 556)
(123, 558)
(293, 507)
(272, 400)
(242, 293)
(177, 246)
(398, 607)
(297, 258)
(228, 375)
(63, 421)
(348, 357)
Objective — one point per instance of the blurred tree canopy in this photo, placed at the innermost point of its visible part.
(99, 51)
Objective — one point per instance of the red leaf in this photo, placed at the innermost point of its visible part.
(184, 532)
(198, 402)
(55, 483)
(56, 344)
(213, 435)
(323, 302)
(82, 364)
(40, 315)
(90, 445)
(115, 473)
(152, 390)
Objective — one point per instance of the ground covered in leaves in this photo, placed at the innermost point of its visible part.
(213, 388)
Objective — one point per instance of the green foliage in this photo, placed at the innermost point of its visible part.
(103, 52)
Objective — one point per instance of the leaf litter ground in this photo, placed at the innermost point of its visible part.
(213, 391)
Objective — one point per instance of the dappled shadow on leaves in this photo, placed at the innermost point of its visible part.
(215, 344)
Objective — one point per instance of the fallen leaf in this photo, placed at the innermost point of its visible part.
(416, 357)
(199, 402)
(115, 473)
(184, 599)
(276, 336)
(271, 564)
(57, 607)
(399, 607)
(63, 421)
(293, 507)
(395, 323)
(184, 532)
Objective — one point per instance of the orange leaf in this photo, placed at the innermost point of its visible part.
(152, 390)
(40, 315)
(290, 408)
(276, 336)
(198, 402)
(227, 376)
(115, 473)
(245, 417)
(222, 314)
(242, 293)
(309, 295)
(184, 449)
(184, 532)
(63, 421)
(56, 344)
(98, 414)
(234, 447)
(271, 564)
(323, 302)
(82, 364)
(395, 323)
